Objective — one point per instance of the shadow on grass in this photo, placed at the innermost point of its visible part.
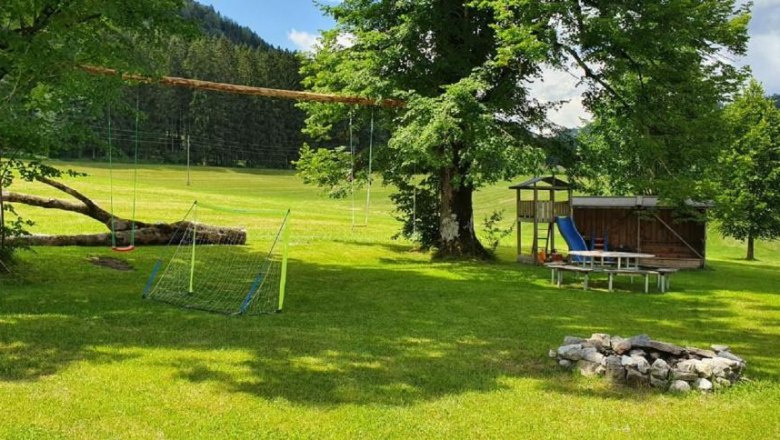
(393, 333)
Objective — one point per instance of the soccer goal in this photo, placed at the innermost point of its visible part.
(234, 274)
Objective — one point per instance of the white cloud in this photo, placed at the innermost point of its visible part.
(557, 85)
(308, 42)
(303, 40)
(764, 44)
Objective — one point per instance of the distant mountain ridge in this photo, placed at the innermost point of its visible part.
(214, 24)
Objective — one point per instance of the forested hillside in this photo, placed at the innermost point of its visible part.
(222, 129)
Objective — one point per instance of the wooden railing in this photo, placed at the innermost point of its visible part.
(544, 210)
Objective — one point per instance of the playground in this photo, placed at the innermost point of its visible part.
(404, 219)
(375, 340)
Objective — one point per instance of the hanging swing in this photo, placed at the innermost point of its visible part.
(131, 245)
(352, 170)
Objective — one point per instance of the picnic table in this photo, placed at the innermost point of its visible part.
(591, 256)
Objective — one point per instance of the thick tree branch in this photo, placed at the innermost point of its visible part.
(589, 73)
(68, 190)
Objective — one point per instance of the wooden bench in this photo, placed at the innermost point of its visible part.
(612, 273)
(559, 269)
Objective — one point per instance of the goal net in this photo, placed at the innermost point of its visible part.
(235, 274)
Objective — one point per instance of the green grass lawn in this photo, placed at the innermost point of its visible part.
(375, 341)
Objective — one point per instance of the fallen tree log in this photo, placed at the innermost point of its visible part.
(144, 234)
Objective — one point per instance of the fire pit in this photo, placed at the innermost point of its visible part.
(642, 361)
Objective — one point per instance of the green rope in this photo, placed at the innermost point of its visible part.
(135, 174)
(194, 241)
(111, 181)
(352, 170)
(370, 160)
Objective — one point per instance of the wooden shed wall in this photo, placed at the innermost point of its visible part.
(621, 224)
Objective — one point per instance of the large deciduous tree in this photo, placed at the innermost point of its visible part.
(652, 69)
(748, 203)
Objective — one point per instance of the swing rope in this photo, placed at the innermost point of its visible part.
(352, 169)
(111, 181)
(370, 160)
(131, 245)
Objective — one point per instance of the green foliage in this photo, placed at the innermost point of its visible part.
(463, 68)
(654, 98)
(42, 46)
(467, 121)
(13, 224)
(327, 169)
(748, 202)
(417, 208)
(493, 231)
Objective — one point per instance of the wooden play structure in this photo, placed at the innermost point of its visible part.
(540, 207)
(629, 224)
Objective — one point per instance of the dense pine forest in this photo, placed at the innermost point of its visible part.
(221, 129)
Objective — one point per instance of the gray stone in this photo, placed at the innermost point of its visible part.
(635, 378)
(703, 369)
(552, 353)
(614, 370)
(620, 345)
(572, 340)
(600, 340)
(641, 364)
(721, 382)
(701, 353)
(644, 341)
(564, 363)
(589, 368)
(592, 355)
(660, 369)
(571, 352)
(637, 352)
(684, 375)
(721, 367)
(718, 348)
(662, 384)
(728, 355)
(703, 384)
(627, 361)
(687, 366)
(679, 386)
(640, 340)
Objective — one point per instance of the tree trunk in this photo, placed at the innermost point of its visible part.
(457, 236)
(751, 255)
(159, 234)
(145, 233)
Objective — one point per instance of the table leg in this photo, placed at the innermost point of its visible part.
(586, 281)
(647, 278)
(610, 282)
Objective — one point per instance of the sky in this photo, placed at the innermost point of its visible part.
(295, 24)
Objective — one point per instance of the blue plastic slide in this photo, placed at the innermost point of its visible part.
(572, 236)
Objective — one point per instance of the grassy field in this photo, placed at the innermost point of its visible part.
(375, 341)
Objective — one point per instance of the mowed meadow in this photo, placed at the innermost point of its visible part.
(376, 341)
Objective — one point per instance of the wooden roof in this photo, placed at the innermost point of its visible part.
(543, 182)
(628, 202)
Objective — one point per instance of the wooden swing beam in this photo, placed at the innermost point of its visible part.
(295, 95)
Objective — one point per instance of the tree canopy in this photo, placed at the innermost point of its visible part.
(748, 202)
(43, 91)
(464, 67)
